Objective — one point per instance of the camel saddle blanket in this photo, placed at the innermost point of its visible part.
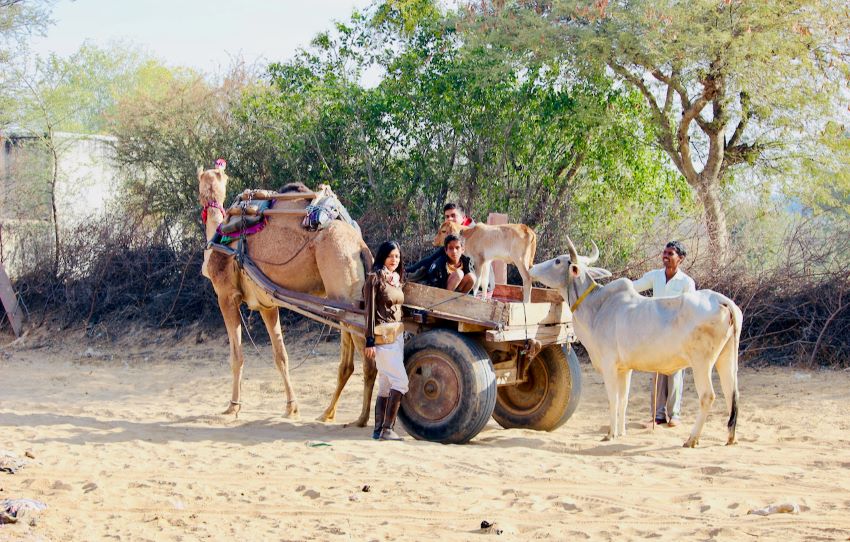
(249, 221)
(325, 209)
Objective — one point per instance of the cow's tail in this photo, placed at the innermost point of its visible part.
(736, 318)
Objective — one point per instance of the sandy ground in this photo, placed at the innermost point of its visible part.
(128, 445)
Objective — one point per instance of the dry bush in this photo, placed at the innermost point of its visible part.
(116, 272)
(795, 307)
(791, 281)
(794, 288)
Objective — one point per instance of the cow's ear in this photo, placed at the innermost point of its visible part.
(574, 270)
(599, 272)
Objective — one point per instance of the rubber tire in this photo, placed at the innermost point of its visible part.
(557, 371)
(476, 387)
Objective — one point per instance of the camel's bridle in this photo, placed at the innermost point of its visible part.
(215, 205)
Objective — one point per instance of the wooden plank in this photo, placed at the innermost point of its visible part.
(464, 327)
(237, 211)
(545, 334)
(511, 292)
(454, 305)
(532, 314)
(10, 302)
(266, 194)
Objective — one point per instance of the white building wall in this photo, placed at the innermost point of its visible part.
(86, 185)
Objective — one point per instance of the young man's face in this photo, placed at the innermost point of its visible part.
(454, 251)
(454, 215)
(670, 258)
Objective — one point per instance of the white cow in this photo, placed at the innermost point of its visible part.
(625, 331)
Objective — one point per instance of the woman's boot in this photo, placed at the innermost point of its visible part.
(393, 402)
(380, 409)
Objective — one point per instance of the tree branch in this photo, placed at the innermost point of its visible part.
(746, 115)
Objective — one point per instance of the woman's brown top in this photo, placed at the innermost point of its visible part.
(383, 302)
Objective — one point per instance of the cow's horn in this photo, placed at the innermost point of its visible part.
(594, 255)
(572, 249)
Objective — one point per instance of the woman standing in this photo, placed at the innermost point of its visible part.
(385, 336)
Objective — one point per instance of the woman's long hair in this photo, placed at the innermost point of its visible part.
(381, 257)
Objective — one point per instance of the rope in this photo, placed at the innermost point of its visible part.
(248, 331)
(525, 325)
(287, 261)
(312, 350)
(458, 296)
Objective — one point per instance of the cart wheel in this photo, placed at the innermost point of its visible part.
(548, 398)
(452, 387)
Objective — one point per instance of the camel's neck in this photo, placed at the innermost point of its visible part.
(214, 218)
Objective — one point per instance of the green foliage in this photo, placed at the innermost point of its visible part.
(448, 121)
(732, 86)
(18, 21)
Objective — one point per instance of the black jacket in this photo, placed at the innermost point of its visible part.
(436, 274)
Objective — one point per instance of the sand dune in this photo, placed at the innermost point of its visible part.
(128, 445)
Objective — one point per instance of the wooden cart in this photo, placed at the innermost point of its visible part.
(471, 359)
(468, 359)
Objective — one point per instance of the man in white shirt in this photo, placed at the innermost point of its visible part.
(668, 282)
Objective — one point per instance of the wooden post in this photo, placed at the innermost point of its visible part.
(10, 301)
(500, 269)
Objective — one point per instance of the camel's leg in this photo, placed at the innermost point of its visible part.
(370, 372)
(232, 320)
(271, 317)
(342, 276)
(705, 390)
(344, 372)
(624, 381)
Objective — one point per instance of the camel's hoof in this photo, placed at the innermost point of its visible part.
(607, 438)
(690, 443)
(232, 409)
(325, 418)
(731, 442)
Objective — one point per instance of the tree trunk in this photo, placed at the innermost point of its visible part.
(54, 157)
(715, 218)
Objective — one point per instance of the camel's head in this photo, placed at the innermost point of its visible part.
(447, 228)
(212, 185)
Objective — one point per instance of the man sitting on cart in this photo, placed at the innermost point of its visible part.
(451, 269)
(419, 272)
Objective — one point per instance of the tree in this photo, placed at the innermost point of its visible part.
(450, 120)
(18, 21)
(730, 84)
(71, 95)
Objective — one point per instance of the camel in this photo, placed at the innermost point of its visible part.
(330, 262)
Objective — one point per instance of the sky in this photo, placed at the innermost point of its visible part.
(207, 35)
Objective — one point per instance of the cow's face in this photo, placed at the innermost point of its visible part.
(558, 272)
(445, 229)
(552, 273)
